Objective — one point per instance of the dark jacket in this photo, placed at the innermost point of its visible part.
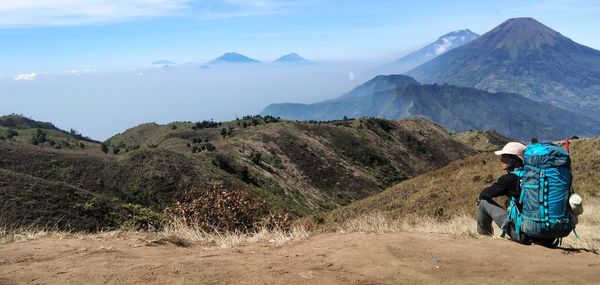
(507, 185)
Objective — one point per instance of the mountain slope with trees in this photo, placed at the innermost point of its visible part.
(245, 170)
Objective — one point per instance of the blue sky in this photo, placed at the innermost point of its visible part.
(82, 64)
(54, 35)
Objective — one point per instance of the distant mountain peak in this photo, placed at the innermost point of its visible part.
(449, 41)
(233, 57)
(162, 62)
(522, 33)
(524, 21)
(291, 58)
(527, 24)
(441, 45)
(465, 32)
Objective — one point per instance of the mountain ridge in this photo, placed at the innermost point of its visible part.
(455, 108)
(291, 58)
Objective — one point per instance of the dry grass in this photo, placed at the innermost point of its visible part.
(21, 234)
(175, 233)
(464, 225)
(179, 234)
(15, 234)
(588, 228)
(461, 225)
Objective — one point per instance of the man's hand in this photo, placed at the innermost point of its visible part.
(477, 201)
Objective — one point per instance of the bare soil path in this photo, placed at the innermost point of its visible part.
(391, 258)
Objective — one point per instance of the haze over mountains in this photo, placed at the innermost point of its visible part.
(560, 81)
(183, 91)
(520, 56)
(455, 108)
(526, 57)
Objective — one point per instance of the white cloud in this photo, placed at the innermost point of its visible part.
(35, 13)
(226, 9)
(73, 71)
(26, 76)
(24, 13)
(443, 47)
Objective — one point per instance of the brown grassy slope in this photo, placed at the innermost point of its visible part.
(482, 140)
(451, 190)
(28, 200)
(295, 167)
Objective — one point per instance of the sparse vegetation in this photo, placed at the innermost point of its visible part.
(10, 133)
(75, 134)
(209, 146)
(228, 164)
(356, 148)
(255, 157)
(39, 137)
(483, 140)
(207, 124)
(104, 148)
(131, 147)
(225, 132)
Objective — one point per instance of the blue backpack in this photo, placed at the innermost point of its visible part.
(543, 211)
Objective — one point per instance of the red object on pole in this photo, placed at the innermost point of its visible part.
(566, 145)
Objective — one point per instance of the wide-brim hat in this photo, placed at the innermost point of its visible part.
(514, 148)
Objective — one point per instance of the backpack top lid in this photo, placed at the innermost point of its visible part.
(546, 155)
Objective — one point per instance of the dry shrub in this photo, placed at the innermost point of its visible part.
(218, 207)
(179, 230)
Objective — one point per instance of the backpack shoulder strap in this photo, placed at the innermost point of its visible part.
(513, 214)
(520, 172)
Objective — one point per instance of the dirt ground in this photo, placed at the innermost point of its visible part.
(391, 258)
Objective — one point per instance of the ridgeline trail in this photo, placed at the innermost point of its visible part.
(384, 258)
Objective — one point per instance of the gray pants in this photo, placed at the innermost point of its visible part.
(489, 211)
